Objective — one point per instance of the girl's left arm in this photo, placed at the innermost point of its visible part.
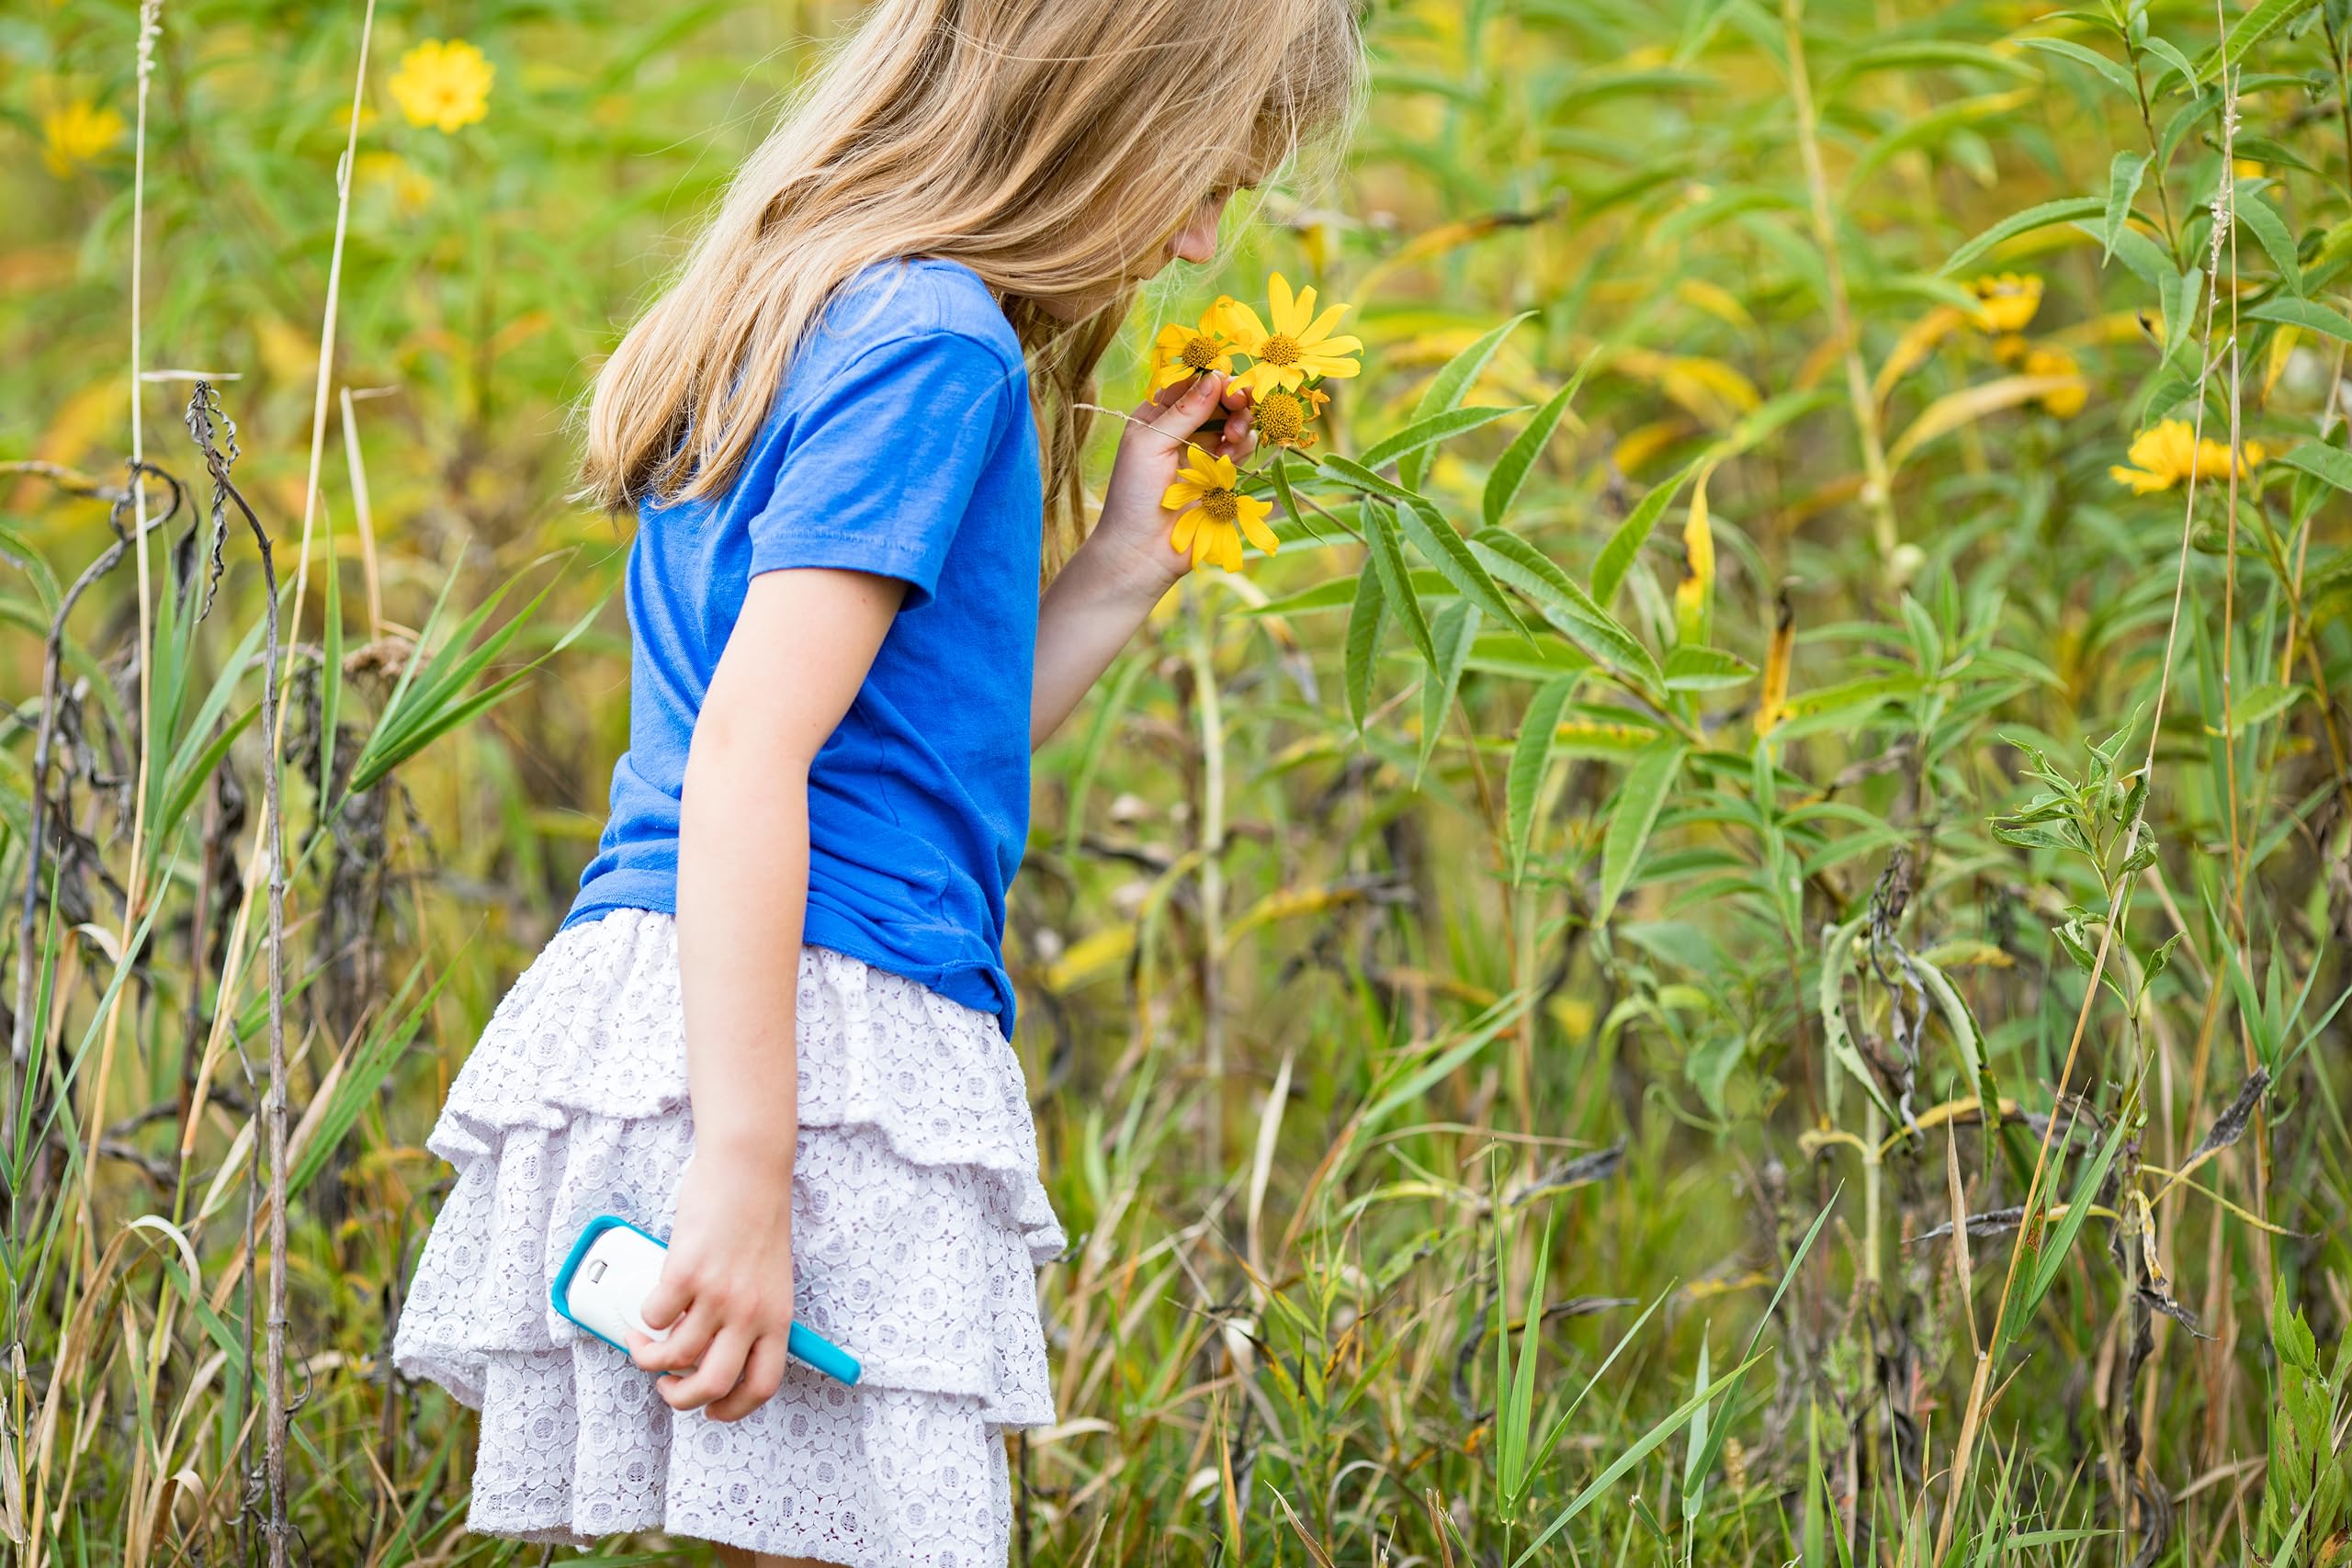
(1127, 565)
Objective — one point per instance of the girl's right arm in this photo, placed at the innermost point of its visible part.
(798, 654)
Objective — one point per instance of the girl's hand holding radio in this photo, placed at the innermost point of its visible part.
(726, 1290)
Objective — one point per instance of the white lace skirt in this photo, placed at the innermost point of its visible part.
(918, 1223)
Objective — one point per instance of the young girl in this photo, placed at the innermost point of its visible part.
(774, 1028)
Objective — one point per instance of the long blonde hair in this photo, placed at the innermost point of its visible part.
(1053, 146)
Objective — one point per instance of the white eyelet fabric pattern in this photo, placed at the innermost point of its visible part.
(919, 1223)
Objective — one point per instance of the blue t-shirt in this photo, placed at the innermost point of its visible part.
(901, 443)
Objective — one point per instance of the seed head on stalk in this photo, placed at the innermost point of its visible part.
(211, 430)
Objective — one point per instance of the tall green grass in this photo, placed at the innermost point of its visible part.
(1734, 955)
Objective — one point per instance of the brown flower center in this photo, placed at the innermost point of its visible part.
(1282, 418)
(1220, 505)
(1199, 353)
(1279, 349)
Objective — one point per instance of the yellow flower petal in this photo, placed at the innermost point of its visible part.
(1321, 326)
(1204, 540)
(1282, 308)
(1187, 526)
(1229, 548)
(1183, 493)
(1242, 324)
(1251, 515)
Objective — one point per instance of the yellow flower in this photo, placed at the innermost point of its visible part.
(74, 133)
(1180, 353)
(2005, 304)
(1282, 418)
(1300, 343)
(2171, 453)
(2065, 401)
(1213, 512)
(443, 86)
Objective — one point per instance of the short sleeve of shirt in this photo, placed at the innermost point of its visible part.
(883, 456)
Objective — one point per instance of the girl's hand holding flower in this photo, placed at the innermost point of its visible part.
(1165, 435)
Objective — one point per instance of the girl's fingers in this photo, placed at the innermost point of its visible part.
(666, 1300)
(689, 1338)
(721, 1368)
(763, 1375)
(1178, 420)
(1240, 439)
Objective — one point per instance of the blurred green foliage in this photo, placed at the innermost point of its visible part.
(1513, 979)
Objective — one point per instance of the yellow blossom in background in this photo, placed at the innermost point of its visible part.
(1299, 343)
(410, 187)
(76, 133)
(2063, 401)
(2005, 304)
(442, 85)
(2171, 453)
(1180, 353)
(1214, 513)
(1282, 418)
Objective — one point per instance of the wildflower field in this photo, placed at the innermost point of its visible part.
(1732, 953)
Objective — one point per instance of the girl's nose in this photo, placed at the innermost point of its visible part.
(1197, 241)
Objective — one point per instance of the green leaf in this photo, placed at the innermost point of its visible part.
(2320, 460)
(1456, 631)
(2183, 121)
(1450, 386)
(2175, 62)
(1837, 957)
(1695, 1457)
(1529, 756)
(1278, 473)
(2263, 703)
(1396, 582)
(1925, 53)
(2308, 315)
(1364, 623)
(1118, 690)
(2051, 1257)
(2180, 298)
(2262, 150)
(1639, 800)
(1626, 1460)
(2271, 229)
(1425, 432)
(2117, 76)
(1566, 606)
(1624, 546)
(2066, 210)
(2123, 178)
(2247, 31)
(1434, 537)
(375, 1059)
(1706, 669)
(2142, 255)
(1510, 470)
